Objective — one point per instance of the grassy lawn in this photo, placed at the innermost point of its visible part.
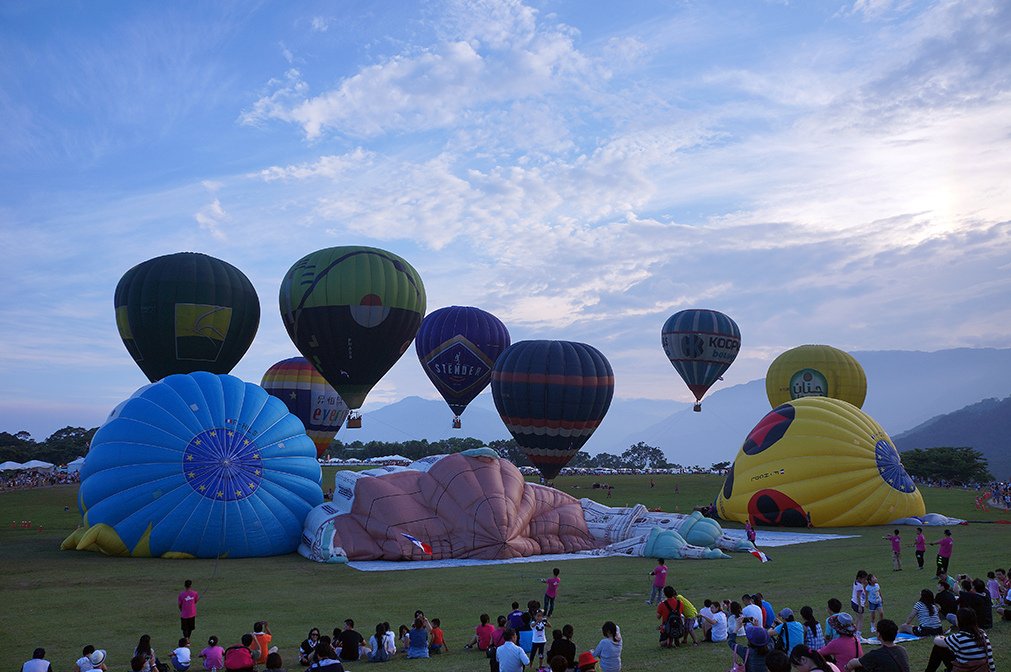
(63, 600)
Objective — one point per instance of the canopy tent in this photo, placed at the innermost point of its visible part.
(10, 466)
(38, 465)
(75, 466)
(386, 459)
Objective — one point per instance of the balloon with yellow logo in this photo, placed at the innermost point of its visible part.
(815, 371)
(818, 462)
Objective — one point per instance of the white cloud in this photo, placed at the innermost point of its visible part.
(211, 218)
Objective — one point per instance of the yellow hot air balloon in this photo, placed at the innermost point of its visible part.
(815, 371)
(818, 462)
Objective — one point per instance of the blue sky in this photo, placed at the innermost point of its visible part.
(823, 172)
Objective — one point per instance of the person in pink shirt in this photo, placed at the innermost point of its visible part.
(188, 608)
(920, 544)
(659, 575)
(551, 592)
(896, 550)
(845, 645)
(944, 545)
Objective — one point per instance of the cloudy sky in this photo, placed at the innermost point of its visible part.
(823, 172)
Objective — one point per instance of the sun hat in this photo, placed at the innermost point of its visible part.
(587, 658)
(786, 613)
(97, 657)
(757, 636)
(842, 623)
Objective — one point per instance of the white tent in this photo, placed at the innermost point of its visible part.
(385, 459)
(10, 466)
(75, 466)
(38, 465)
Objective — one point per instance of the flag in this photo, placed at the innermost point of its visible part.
(422, 545)
(761, 556)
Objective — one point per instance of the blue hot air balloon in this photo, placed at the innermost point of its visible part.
(198, 465)
(701, 344)
(552, 395)
(458, 347)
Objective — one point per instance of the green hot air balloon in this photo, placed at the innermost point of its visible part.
(186, 312)
(352, 311)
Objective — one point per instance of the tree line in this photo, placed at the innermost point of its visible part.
(950, 464)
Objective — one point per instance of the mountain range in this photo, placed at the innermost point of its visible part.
(905, 390)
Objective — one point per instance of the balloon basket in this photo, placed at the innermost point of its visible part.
(697, 408)
(354, 421)
(457, 423)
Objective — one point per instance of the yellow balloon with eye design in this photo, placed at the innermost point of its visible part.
(815, 371)
(818, 462)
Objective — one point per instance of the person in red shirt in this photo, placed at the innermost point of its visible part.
(438, 642)
(188, 608)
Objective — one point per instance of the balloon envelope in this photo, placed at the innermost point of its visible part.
(821, 458)
(186, 312)
(198, 465)
(309, 398)
(701, 344)
(352, 312)
(457, 347)
(815, 371)
(552, 395)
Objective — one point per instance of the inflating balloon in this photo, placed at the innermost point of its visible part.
(701, 344)
(186, 312)
(815, 371)
(197, 465)
(552, 395)
(352, 312)
(309, 398)
(458, 347)
(818, 462)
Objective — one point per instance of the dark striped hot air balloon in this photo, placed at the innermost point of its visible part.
(457, 347)
(552, 395)
(186, 312)
(352, 312)
(701, 344)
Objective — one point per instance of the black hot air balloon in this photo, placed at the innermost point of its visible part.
(186, 312)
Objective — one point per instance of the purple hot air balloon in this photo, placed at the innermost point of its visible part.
(458, 347)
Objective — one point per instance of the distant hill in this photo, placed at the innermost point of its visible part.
(905, 389)
(985, 426)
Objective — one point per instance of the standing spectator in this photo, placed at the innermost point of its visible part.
(944, 545)
(38, 662)
(858, 599)
(608, 650)
(563, 646)
(896, 540)
(875, 603)
(749, 531)
(551, 592)
(920, 546)
(540, 638)
(510, 657)
(515, 617)
(188, 608)
(659, 575)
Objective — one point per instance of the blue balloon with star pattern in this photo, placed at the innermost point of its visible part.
(199, 465)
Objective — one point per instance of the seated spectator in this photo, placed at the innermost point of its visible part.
(787, 628)
(181, 655)
(844, 646)
(558, 664)
(753, 655)
(351, 641)
(968, 647)
(261, 639)
(777, 661)
(928, 614)
(805, 659)
(274, 663)
(325, 659)
(38, 662)
(213, 655)
(418, 640)
(438, 640)
(308, 647)
(563, 646)
(887, 657)
(144, 649)
(381, 647)
(813, 636)
(482, 634)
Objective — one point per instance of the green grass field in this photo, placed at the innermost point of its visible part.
(63, 600)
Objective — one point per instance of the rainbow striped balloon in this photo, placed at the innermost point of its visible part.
(309, 398)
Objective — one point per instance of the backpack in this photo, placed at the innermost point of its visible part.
(783, 639)
(673, 627)
(238, 658)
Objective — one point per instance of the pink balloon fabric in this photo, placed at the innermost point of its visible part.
(462, 505)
